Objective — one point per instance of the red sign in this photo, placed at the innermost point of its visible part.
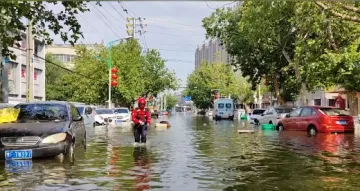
(35, 75)
(23, 73)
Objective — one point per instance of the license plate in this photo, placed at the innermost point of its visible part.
(18, 165)
(118, 121)
(221, 113)
(341, 122)
(18, 154)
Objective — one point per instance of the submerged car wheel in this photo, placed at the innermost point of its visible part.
(70, 151)
(312, 130)
(280, 127)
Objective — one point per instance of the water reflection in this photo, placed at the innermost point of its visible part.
(142, 163)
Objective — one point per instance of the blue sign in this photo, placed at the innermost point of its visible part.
(6, 60)
(187, 98)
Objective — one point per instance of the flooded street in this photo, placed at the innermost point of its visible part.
(197, 154)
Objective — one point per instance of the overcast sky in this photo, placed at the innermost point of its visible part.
(174, 28)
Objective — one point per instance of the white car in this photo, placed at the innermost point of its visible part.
(87, 113)
(255, 114)
(122, 114)
(240, 112)
(273, 114)
(108, 115)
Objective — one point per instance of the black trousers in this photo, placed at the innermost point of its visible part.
(140, 133)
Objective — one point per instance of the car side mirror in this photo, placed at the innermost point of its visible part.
(77, 118)
(287, 115)
(262, 114)
(88, 110)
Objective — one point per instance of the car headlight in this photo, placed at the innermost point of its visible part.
(55, 138)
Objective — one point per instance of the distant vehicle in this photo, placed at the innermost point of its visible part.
(224, 109)
(202, 112)
(154, 114)
(107, 114)
(240, 112)
(317, 119)
(122, 115)
(255, 114)
(210, 113)
(87, 114)
(273, 114)
(42, 129)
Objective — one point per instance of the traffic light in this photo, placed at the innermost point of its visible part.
(130, 26)
(114, 77)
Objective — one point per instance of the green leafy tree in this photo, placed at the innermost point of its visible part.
(208, 77)
(170, 102)
(155, 74)
(55, 80)
(44, 19)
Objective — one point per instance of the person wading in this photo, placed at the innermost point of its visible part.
(141, 118)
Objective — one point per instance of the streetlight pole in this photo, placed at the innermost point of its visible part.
(109, 62)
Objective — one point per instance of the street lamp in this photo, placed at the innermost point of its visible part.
(109, 62)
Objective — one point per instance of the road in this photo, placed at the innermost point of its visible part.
(197, 154)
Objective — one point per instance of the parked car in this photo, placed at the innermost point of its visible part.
(317, 119)
(107, 114)
(240, 112)
(122, 115)
(223, 109)
(155, 114)
(87, 113)
(273, 114)
(42, 129)
(255, 114)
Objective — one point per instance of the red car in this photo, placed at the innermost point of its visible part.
(317, 119)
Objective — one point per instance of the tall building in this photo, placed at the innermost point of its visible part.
(66, 53)
(211, 52)
(17, 72)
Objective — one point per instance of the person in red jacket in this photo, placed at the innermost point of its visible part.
(141, 118)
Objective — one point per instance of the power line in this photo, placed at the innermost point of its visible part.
(112, 6)
(150, 25)
(219, 7)
(173, 22)
(105, 20)
(93, 28)
(174, 35)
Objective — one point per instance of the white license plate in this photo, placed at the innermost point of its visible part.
(341, 122)
(118, 121)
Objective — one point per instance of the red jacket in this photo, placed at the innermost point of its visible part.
(141, 114)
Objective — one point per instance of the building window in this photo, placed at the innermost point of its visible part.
(332, 102)
(317, 102)
(36, 48)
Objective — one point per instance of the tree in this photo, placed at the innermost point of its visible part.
(208, 77)
(138, 74)
(170, 101)
(55, 80)
(43, 19)
(155, 74)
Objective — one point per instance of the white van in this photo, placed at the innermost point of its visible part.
(223, 109)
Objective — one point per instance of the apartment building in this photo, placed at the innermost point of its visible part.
(66, 53)
(17, 80)
(211, 52)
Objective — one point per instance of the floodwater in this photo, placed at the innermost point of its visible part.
(197, 154)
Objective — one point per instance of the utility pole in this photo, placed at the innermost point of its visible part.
(29, 64)
(259, 97)
(132, 25)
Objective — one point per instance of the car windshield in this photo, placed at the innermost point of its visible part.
(283, 110)
(104, 111)
(333, 112)
(42, 112)
(121, 111)
(80, 109)
(258, 111)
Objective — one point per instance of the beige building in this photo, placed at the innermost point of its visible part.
(66, 53)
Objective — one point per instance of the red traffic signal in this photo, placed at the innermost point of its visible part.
(114, 77)
(114, 70)
(114, 83)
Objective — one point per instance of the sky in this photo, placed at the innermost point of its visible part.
(174, 28)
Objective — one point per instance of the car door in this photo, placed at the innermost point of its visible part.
(306, 116)
(78, 127)
(293, 119)
(262, 117)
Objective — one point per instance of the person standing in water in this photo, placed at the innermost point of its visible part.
(141, 118)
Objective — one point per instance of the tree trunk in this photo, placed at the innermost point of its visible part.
(280, 100)
(353, 103)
